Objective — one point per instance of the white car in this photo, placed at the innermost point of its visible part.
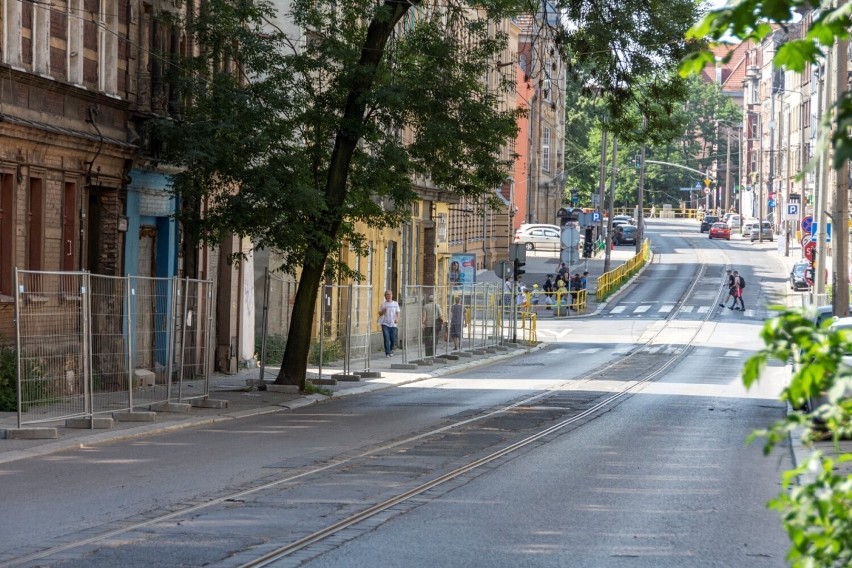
(748, 225)
(734, 221)
(539, 237)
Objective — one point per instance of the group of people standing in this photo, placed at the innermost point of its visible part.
(736, 284)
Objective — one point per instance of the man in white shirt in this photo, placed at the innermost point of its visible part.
(389, 318)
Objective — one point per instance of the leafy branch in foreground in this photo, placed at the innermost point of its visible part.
(817, 513)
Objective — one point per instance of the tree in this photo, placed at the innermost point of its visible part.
(293, 141)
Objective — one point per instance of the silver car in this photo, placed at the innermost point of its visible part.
(765, 232)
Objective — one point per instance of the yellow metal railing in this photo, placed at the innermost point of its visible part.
(561, 300)
(531, 328)
(610, 281)
(673, 213)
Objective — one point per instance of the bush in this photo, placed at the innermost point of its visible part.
(275, 345)
(8, 380)
(332, 350)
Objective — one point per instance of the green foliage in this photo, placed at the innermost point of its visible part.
(757, 19)
(311, 388)
(817, 513)
(275, 345)
(332, 350)
(8, 380)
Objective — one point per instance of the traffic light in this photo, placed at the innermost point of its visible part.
(638, 161)
(587, 243)
(518, 269)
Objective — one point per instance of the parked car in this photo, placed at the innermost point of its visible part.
(720, 231)
(734, 222)
(765, 232)
(628, 235)
(626, 218)
(748, 225)
(707, 222)
(528, 226)
(798, 276)
(539, 237)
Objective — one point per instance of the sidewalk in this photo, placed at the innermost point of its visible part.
(235, 396)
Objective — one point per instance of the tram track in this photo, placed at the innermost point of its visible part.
(550, 412)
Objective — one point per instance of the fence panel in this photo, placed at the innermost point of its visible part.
(152, 307)
(359, 343)
(110, 352)
(52, 334)
(193, 327)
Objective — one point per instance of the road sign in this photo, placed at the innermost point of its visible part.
(806, 239)
(570, 236)
(518, 251)
(503, 269)
(806, 224)
(596, 217)
(706, 191)
(808, 250)
(815, 230)
(792, 211)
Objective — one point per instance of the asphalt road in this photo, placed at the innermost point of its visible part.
(661, 477)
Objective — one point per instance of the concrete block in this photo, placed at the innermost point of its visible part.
(134, 416)
(209, 403)
(370, 374)
(176, 407)
(144, 378)
(323, 381)
(97, 423)
(347, 377)
(479, 352)
(286, 389)
(463, 354)
(401, 366)
(451, 356)
(30, 433)
(423, 362)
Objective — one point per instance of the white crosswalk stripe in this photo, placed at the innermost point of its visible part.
(590, 350)
(618, 309)
(703, 309)
(641, 309)
(666, 309)
(687, 309)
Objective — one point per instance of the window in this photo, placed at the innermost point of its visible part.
(7, 232)
(545, 150)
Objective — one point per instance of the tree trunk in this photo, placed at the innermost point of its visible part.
(295, 362)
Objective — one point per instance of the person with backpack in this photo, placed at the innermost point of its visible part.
(739, 286)
(729, 282)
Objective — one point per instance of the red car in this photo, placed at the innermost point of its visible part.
(720, 231)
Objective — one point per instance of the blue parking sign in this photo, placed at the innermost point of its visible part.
(596, 217)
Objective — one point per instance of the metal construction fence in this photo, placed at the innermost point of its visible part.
(90, 344)
(439, 320)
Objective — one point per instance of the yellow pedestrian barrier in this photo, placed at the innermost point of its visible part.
(610, 281)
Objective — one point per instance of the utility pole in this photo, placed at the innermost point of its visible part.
(841, 199)
(727, 204)
(760, 177)
(640, 218)
(820, 212)
(611, 204)
(602, 182)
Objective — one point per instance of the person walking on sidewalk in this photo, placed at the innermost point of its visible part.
(389, 318)
(432, 320)
(729, 282)
(456, 322)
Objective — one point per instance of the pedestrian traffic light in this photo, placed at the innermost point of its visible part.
(518, 268)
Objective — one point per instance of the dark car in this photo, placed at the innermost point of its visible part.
(798, 276)
(707, 222)
(627, 235)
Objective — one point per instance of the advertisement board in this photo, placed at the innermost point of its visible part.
(462, 269)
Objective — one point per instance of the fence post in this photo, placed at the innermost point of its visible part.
(174, 283)
(183, 336)
(347, 355)
(321, 327)
(88, 387)
(264, 327)
(128, 293)
(18, 345)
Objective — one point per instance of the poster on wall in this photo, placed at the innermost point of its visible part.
(462, 269)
